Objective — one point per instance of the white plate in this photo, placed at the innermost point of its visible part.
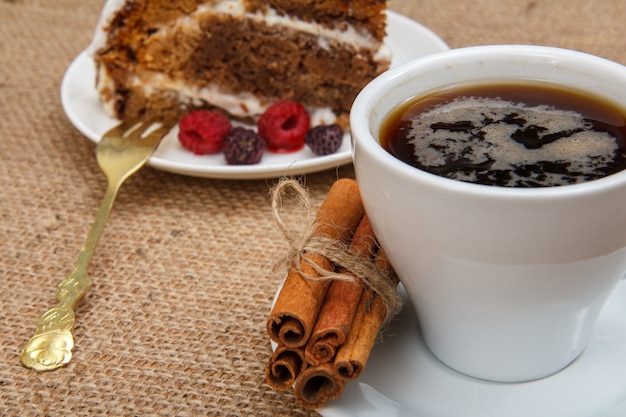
(406, 39)
(403, 378)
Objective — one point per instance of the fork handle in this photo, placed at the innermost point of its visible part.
(87, 251)
(51, 345)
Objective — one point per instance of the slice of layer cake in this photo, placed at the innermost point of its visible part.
(165, 58)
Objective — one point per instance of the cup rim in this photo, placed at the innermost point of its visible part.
(373, 92)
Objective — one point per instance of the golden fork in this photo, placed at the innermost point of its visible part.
(120, 153)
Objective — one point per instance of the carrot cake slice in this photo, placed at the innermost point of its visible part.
(165, 58)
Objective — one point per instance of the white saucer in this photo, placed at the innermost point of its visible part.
(406, 38)
(403, 378)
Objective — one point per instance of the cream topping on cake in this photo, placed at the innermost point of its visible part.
(100, 35)
(236, 8)
(241, 105)
(208, 94)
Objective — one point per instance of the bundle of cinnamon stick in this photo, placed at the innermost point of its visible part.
(328, 314)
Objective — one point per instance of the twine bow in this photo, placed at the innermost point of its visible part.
(306, 242)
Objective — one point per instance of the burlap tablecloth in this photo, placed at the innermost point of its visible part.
(174, 324)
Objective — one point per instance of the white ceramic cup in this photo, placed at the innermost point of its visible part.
(507, 282)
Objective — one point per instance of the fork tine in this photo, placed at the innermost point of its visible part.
(135, 129)
(159, 133)
(140, 131)
(122, 128)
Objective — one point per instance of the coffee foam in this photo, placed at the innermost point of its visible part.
(479, 133)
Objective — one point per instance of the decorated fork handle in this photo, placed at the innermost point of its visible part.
(51, 345)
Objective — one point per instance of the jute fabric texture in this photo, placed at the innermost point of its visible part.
(174, 324)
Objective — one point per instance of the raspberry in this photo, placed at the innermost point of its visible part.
(324, 140)
(202, 131)
(242, 147)
(283, 126)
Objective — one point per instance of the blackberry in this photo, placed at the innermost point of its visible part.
(242, 146)
(324, 140)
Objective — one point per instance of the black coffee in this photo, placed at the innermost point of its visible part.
(509, 135)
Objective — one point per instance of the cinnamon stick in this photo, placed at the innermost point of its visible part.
(293, 316)
(318, 384)
(340, 304)
(353, 355)
(284, 367)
